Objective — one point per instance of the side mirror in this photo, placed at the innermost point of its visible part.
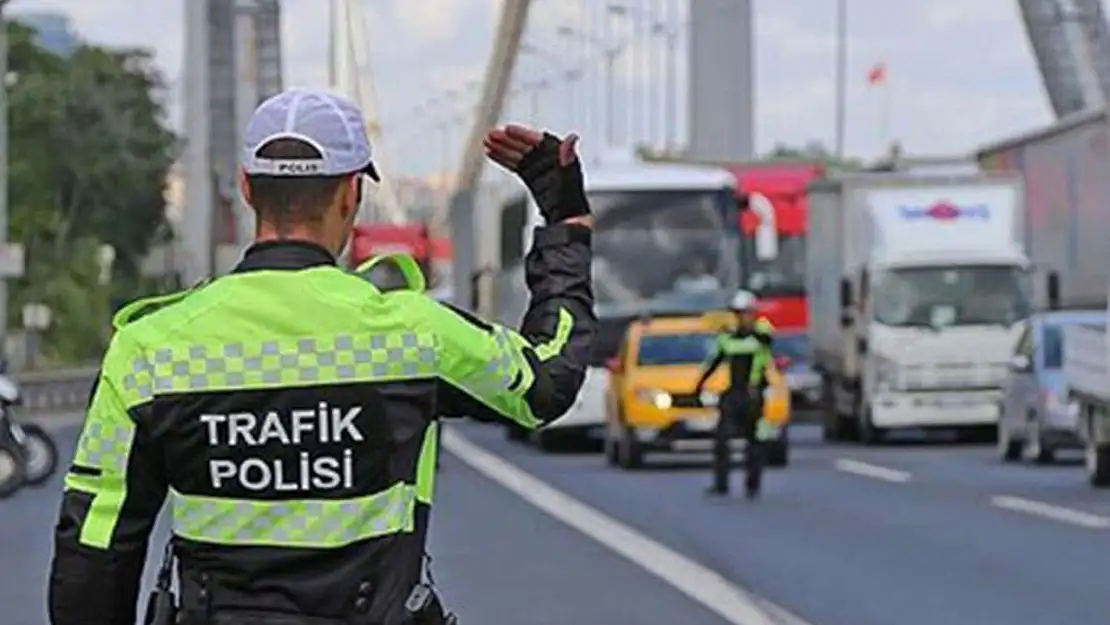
(766, 233)
(1019, 363)
(845, 318)
(613, 365)
(845, 293)
(1052, 288)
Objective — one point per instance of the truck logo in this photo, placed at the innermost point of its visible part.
(946, 211)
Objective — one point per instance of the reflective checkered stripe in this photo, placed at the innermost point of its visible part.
(105, 446)
(749, 345)
(288, 362)
(500, 380)
(312, 524)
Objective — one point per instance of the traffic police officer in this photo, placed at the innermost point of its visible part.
(747, 350)
(289, 410)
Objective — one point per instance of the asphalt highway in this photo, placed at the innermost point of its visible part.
(910, 534)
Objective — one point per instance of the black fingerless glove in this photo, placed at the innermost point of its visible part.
(558, 190)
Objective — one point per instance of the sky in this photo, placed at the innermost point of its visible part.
(960, 72)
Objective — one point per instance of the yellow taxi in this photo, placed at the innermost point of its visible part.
(651, 404)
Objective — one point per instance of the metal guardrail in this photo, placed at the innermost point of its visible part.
(55, 390)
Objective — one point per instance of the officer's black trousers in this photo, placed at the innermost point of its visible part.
(740, 414)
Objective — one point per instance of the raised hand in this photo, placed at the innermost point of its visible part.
(547, 165)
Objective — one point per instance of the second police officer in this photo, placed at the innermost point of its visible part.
(289, 410)
(746, 349)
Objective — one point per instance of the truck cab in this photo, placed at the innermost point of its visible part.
(939, 332)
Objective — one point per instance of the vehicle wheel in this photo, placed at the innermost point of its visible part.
(777, 452)
(834, 427)
(515, 433)
(1098, 465)
(40, 455)
(1009, 449)
(868, 433)
(13, 471)
(612, 451)
(630, 453)
(1034, 448)
(545, 440)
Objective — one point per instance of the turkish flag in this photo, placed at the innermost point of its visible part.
(877, 74)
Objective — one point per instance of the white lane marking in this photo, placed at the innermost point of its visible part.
(865, 469)
(781, 616)
(1049, 511)
(710, 589)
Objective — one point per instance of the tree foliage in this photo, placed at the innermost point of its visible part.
(89, 153)
(813, 151)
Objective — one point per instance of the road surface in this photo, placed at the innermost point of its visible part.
(901, 535)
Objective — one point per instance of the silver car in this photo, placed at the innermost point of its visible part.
(1036, 419)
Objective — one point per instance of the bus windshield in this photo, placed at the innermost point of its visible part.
(782, 276)
(660, 251)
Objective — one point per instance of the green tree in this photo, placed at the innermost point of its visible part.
(812, 151)
(89, 154)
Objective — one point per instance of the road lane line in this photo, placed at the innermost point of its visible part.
(703, 585)
(1049, 511)
(781, 616)
(855, 467)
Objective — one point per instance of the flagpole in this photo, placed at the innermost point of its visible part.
(879, 81)
(885, 113)
(841, 76)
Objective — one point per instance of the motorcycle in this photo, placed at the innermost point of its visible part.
(28, 454)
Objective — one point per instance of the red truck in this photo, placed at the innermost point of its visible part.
(775, 194)
(433, 254)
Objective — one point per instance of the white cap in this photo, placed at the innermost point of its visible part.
(333, 125)
(744, 301)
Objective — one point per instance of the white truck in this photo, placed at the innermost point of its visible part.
(1066, 167)
(918, 288)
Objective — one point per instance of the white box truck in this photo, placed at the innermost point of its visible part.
(918, 288)
(1066, 167)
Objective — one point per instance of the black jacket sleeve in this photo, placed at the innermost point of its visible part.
(714, 359)
(709, 368)
(531, 376)
(113, 492)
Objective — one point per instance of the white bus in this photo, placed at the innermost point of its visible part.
(665, 241)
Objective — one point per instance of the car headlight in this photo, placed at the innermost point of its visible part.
(660, 399)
